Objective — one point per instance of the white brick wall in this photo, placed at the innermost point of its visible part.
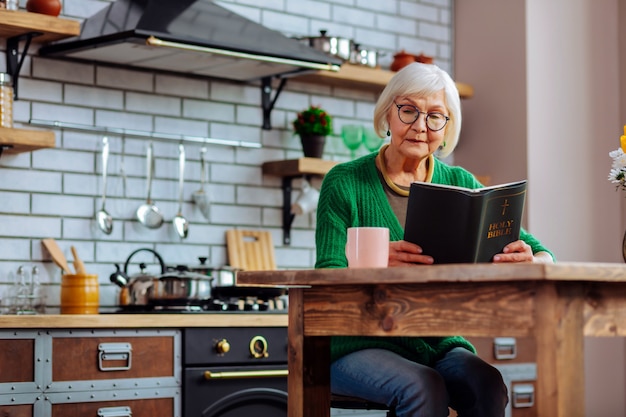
(56, 192)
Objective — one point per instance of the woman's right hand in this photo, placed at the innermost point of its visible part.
(403, 253)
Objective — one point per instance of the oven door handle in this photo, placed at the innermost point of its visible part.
(246, 374)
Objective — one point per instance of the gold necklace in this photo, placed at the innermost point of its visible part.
(393, 185)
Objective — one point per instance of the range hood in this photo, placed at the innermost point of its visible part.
(188, 36)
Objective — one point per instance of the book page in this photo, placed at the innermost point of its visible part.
(472, 190)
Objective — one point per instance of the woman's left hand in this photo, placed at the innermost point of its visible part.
(518, 251)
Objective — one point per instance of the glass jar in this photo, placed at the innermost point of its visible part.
(6, 100)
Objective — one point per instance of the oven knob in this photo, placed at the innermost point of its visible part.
(258, 347)
(222, 346)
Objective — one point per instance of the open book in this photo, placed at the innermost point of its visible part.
(455, 224)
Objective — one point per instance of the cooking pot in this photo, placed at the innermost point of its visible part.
(363, 56)
(221, 277)
(174, 285)
(332, 45)
(180, 285)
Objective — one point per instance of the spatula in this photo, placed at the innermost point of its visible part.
(57, 254)
(79, 266)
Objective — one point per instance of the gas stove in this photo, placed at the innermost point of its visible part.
(230, 303)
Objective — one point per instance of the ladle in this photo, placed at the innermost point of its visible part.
(180, 223)
(201, 197)
(148, 214)
(105, 221)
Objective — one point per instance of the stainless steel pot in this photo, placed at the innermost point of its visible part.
(221, 277)
(180, 284)
(171, 286)
(224, 276)
(332, 45)
(363, 56)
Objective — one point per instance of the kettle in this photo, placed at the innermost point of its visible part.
(135, 290)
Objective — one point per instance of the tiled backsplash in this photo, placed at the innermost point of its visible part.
(56, 192)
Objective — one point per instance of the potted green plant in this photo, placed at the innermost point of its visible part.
(313, 125)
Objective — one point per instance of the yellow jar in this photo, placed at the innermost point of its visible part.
(6, 100)
(79, 294)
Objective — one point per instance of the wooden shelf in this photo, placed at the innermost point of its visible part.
(298, 167)
(288, 170)
(16, 141)
(15, 23)
(358, 76)
(19, 22)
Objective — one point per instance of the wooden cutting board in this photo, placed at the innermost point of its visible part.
(250, 250)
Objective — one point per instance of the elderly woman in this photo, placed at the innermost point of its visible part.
(421, 377)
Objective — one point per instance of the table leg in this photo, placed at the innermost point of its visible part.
(560, 359)
(309, 365)
(295, 388)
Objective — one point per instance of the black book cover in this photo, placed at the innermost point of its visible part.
(461, 225)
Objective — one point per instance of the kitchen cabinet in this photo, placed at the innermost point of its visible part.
(363, 77)
(49, 364)
(18, 26)
(91, 372)
(288, 170)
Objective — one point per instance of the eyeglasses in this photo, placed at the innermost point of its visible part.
(408, 114)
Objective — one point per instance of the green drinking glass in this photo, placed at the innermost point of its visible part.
(352, 136)
(371, 140)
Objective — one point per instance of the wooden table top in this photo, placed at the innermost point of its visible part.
(564, 271)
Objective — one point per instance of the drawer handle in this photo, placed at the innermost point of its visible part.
(245, 374)
(115, 412)
(114, 352)
(523, 396)
(504, 348)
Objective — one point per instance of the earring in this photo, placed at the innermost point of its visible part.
(444, 143)
(388, 132)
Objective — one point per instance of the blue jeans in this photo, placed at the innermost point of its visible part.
(460, 380)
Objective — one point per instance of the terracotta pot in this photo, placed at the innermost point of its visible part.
(401, 60)
(424, 59)
(313, 145)
(49, 7)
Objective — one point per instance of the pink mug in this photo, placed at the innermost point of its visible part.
(367, 247)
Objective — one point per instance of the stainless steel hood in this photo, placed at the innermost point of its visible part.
(188, 36)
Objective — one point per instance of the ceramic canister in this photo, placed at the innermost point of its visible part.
(79, 294)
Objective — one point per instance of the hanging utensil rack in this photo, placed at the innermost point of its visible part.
(143, 134)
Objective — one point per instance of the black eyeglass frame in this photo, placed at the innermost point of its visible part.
(419, 112)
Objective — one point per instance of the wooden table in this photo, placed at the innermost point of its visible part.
(557, 304)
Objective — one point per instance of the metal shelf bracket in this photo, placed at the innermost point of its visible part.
(267, 102)
(3, 147)
(14, 61)
(288, 216)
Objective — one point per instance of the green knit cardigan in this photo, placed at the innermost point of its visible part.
(352, 195)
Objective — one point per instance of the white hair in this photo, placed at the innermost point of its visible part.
(417, 79)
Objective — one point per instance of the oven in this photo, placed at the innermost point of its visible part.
(235, 372)
(227, 371)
